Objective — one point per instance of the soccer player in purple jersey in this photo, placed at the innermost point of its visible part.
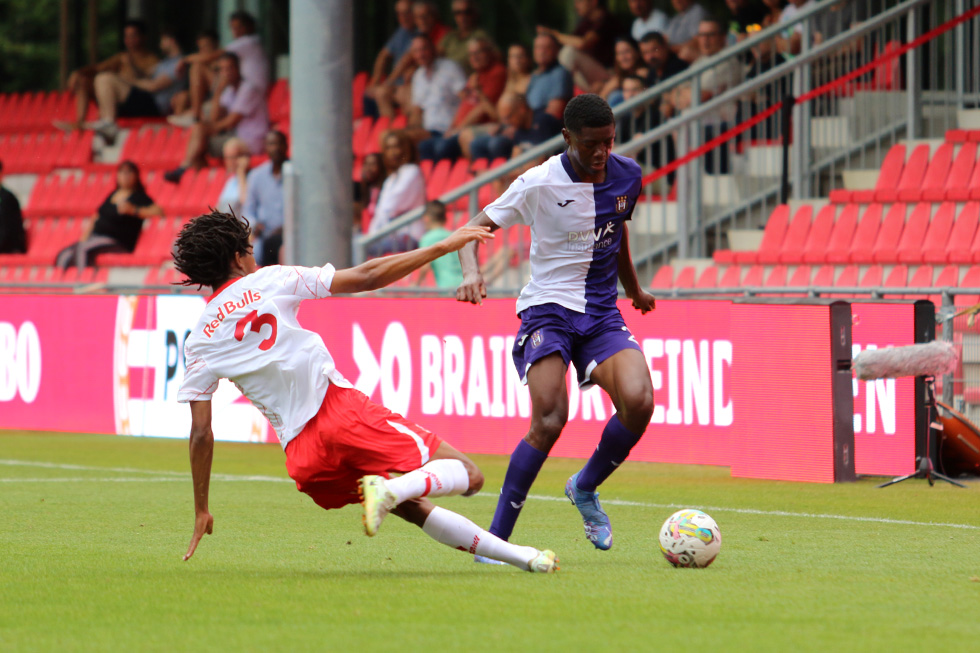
(576, 205)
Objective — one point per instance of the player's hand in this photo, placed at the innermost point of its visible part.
(467, 234)
(472, 290)
(203, 524)
(644, 302)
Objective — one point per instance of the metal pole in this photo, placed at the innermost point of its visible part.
(785, 125)
(912, 81)
(946, 312)
(321, 33)
(63, 45)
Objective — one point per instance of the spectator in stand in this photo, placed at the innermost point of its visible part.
(714, 81)
(764, 58)
(392, 93)
(367, 190)
(436, 86)
(139, 97)
(13, 239)
(521, 129)
(264, 200)
(519, 67)
(551, 85)
(253, 65)
(396, 46)
(447, 270)
(117, 223)
(660, 61)
(634, 124)
(136, 62)
(455, 44)
(588, 52)
(628, 64)
(207, 42)
(682, 29)
(237, 159)
(478, 100)
(402, 191)
(744, 14)
(789, 40)
(648, 19)
(241, 112)
(774, 10)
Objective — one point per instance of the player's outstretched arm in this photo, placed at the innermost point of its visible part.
(642, 300)
(202, 450)
(473, 289)
(380, 272)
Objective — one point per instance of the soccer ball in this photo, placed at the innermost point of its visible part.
(690, 538)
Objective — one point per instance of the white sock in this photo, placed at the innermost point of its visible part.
(438, 478)
(460, 533)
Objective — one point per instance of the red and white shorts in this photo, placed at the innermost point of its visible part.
(350, 437)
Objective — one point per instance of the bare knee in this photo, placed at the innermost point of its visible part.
(475, 476)
(414, 511)
(636, 408)
(546, 428)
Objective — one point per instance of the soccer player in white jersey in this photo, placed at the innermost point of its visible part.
(338, 443)
(576, 204)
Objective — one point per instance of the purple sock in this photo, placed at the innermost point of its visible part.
(525, 463)
(613, 448)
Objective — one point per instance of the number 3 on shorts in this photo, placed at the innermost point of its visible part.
(257, 321)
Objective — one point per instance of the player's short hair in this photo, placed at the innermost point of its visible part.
(636, 78)
(654, 37)
(587, 110)
(717, 22)
(245, 18)
(209, 34)
(436, 210)
(206, 247)
(137, 24)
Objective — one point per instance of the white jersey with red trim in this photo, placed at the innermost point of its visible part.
(249, 334)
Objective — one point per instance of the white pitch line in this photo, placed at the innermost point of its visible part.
(168, 476)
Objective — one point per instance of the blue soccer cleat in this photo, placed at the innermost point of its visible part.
(597, 528)
(483, 560)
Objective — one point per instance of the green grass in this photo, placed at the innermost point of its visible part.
(95, 563)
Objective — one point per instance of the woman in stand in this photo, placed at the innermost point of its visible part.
(402, 191)
(117, 223)
(367, 190)
(237, 160)
(628, 64)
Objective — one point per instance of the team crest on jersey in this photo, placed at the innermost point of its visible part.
(537, 338)
(621, 203)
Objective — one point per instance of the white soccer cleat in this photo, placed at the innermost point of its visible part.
(377, 501)
(546, 562)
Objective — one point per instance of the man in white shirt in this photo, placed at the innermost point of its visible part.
(338, 443)
(253, 62)
(436, 84)
(648, 19)
(241, 112)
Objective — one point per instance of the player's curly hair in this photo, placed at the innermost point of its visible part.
(587, 110)
(207, 245)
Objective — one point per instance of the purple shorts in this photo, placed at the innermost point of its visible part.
(582, 339)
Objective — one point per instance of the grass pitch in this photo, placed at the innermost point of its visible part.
(94, 527)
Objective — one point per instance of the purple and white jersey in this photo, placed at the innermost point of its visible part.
(576, 231)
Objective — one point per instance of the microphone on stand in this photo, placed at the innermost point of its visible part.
(927, 360)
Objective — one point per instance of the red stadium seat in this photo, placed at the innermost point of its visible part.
(800, 277)
(957, 187)
(933, 188)
(910, 182)
(753, 278)
(708, 278)
(922, 278)
(772, 238)
(825, 276)
(890, 234)
(842, 238)
(848, 278)
(362, 132)
(949, 277)
(897, 278)
(731, 277)
(814, 250)
(663, 279)
(888, 176)
(964, 241)
(357, 92)
(935, 245)
(866, 234)
(873, 277)
(909, 249)
(436, 184)
(686, 277)
(794, 239)
(778, 277)
(970, 280)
